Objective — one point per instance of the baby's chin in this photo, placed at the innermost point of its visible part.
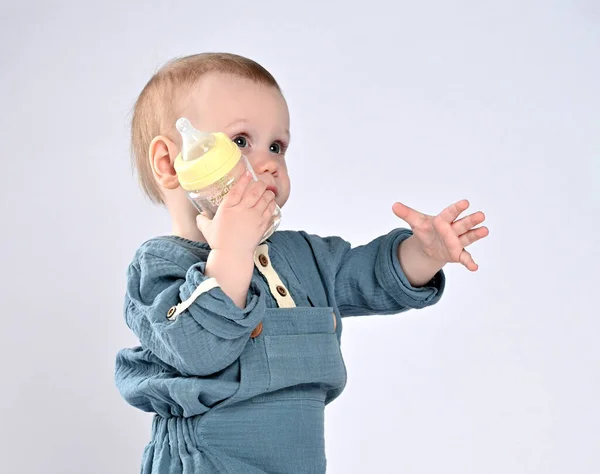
(282, 196)
(281, 200)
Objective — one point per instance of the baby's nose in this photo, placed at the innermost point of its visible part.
(264, 162)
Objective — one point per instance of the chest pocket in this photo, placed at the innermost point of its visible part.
(301, 345)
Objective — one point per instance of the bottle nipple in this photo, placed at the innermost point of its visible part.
(194, 142)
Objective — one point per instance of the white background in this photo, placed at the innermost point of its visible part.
(423, 102)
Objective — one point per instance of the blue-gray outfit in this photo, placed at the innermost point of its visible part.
(244, 390)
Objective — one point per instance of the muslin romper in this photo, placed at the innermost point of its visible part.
(244, 390)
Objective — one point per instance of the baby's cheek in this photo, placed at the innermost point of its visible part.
(284, 193)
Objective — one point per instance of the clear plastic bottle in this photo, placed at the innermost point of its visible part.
(208, 166)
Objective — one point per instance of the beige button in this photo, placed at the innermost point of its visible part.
(257, 330)
(281, 290)
(171, 312)
(264, 261)
(334, 321)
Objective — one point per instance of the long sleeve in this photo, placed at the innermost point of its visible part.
(204, 339)
(368, 279)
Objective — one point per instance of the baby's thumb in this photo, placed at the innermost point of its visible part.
(202, 222)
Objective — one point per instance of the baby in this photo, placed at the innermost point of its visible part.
(240, 340)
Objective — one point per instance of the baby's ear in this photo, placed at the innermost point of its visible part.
(162, 155)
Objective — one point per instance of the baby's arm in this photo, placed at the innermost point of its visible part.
(234, 233)
(368, 279)
(233, 271)
(205, 338)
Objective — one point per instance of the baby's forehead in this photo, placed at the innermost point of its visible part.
(235, 90)
(228, 99)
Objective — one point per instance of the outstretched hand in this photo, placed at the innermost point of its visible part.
(444, 237)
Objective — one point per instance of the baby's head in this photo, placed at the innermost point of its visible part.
(218, 93)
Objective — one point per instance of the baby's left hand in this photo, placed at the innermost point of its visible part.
(443, 238)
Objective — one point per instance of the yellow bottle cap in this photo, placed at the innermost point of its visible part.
(207, 159)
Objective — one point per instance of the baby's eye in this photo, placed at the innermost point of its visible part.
(277, 147)
(241, 141)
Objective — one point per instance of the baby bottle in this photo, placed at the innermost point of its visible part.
(208, 166)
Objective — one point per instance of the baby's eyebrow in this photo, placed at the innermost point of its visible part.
(236, 122)
(241, 121)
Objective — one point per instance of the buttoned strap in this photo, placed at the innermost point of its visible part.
(203, 287)
(276, 286)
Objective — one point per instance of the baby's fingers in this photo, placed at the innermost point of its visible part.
(266, 199)
(237, 191)
(466, 259)
(453, 211)
(202, 222)
(253, 194)
(466, 223)
(473, 236)
(265, 217)
(268, 214)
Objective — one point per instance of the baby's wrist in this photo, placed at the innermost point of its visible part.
(234, 253)
(233, 262)
(233, 269)
(418, 267)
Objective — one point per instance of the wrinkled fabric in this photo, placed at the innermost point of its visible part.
(228, 403)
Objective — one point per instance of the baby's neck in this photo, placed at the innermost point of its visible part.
(187, 232)
(183, 218)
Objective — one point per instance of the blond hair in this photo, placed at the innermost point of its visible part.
(155, 110)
